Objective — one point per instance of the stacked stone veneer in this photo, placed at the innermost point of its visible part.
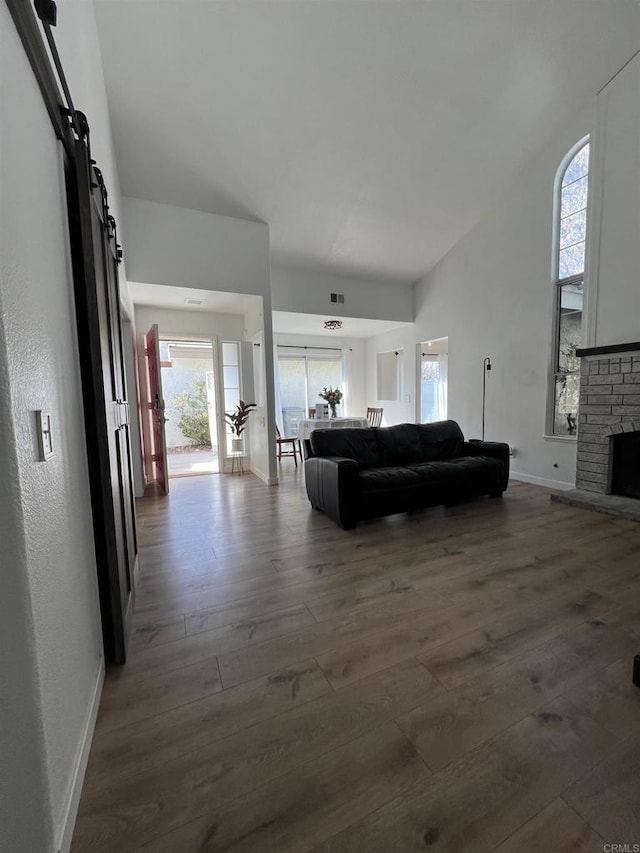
(609, 404)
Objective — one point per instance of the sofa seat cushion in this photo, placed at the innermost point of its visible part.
(464, 470)
(389, 478)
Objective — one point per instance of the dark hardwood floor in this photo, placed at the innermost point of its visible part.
(457, 680)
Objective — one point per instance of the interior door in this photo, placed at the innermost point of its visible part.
(156, 408)
(104, 393)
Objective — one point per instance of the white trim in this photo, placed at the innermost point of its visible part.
(270, 481)
(572, 438)
(73, 800)
(594, 225)
(541, 481)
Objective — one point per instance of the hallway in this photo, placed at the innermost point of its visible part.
(458, 680)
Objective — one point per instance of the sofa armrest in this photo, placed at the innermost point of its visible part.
(332, 486)
(495, 449)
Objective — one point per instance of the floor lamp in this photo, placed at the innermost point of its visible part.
(486, 366)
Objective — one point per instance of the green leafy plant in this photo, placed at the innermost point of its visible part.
(193, 409)
(237, 420)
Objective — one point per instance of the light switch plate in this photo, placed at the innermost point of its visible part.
(45, 437)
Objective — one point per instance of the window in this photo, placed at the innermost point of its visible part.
(568, 279)
(230, 380)
(302, 374)
(433, 387)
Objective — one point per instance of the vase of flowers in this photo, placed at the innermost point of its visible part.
(332, 396)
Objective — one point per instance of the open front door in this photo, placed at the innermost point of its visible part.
(156, 408)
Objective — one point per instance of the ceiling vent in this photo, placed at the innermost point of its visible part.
(191, 301)
(337, 297)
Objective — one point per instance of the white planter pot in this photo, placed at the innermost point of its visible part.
(236, 445)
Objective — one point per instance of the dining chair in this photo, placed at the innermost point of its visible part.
(312, 413)
(374, 416)
(294, 443)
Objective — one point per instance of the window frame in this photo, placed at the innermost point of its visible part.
(557, 284)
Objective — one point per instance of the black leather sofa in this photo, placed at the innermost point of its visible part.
(356, 474)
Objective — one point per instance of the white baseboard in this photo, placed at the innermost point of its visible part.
(65, 833)
(270, 481)
(542, 481)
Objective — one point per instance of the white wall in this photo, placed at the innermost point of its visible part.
(50, 644)
(616, 163)
(395, 411)
(492, 296)
(187, 248)
(354, 366)
(304, 292)
(174, 322)
(255, 357)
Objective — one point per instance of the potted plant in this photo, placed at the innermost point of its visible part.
(236, 421)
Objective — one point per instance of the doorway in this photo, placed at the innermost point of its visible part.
(433, 380)
(189, 387)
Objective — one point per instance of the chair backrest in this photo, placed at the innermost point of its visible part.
(278, 436)
(374, 416)
(312, 413)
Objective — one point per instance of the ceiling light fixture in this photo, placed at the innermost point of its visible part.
(333, 324)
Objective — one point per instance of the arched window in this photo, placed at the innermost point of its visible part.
(570, 235)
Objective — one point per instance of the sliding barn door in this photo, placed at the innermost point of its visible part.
(106, 406)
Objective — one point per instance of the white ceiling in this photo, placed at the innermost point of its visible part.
(163, 296)
(285, 322)
(369, 134)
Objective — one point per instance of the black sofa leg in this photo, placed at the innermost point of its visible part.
(636, 670)
(349, 525)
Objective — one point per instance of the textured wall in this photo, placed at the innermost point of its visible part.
(49, 601)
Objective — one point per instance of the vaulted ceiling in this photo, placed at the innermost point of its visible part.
(370, 135)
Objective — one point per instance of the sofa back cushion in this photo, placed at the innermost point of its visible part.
(358, 444)
(440, 440)
(398, 445)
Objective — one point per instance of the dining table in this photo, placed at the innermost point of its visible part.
(307, 425)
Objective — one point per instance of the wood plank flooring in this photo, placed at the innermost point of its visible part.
(458, 680)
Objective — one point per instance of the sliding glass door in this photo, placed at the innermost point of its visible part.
(301, 378)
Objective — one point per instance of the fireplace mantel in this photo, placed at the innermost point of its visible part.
(608, 350)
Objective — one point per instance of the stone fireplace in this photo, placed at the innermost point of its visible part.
(608, 457)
